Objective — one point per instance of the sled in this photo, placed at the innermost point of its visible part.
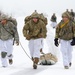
(47, 59)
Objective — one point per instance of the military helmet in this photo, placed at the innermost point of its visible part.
(66, 14)
(4, 17)
(35, 14)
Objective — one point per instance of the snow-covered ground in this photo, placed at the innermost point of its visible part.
(22, 65)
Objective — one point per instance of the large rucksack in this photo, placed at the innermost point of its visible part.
(43, 18)
(40, 16)
(13, 20)
(28, 18)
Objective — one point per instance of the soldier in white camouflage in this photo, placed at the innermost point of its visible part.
(34, 30)
(65, 31)
(53, 20)
(8, 35)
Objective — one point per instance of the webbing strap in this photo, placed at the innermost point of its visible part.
(64, 24)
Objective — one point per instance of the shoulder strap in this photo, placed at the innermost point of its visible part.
(7, 31)
(64, 24)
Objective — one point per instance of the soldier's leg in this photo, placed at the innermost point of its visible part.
(3, 53)
(55, 24)
(31, 48)
(35, 62)
(64, 51)
(52, 24)
(41, 46)
(9, 44)
(4, 59)
(70, 49)
(36, 54)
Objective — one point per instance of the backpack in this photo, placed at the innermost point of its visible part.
(43, 18)
(40, 16)
(27, 19)
(13, 20)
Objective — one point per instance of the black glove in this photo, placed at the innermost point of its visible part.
(73, 42)
(56, 42)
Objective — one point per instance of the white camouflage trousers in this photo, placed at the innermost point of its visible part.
(42, 43)
(66, 50)
(6, 46)
(53, 24)
(34, 47)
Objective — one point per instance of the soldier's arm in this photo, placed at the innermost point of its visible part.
(73, 28)
(25, 29)
(13, 29)
(44, 30)
(57, 31)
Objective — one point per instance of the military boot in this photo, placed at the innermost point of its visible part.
(10, 61)
(70, 64)
(35, 63)
(66, 67)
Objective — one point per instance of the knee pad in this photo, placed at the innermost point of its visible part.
(3, 54)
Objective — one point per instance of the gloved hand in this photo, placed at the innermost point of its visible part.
(40, 36)
(56, 42)
(73, 42)
(28, 37)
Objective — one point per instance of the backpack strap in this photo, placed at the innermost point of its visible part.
(9, 33)
(64, 24)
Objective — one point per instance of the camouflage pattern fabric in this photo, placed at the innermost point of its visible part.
(35, 29)
(66, 14)
(37, 15)
(67, 32)
(28, 18)
(13, 20)
(48, 56)
(44, 19)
